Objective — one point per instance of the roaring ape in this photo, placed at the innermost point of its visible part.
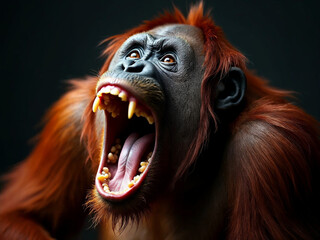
(175, 139)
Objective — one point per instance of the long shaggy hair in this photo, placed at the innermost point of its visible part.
(220, 56)
(272, 156)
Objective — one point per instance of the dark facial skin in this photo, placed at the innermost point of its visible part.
(163, 69)
(180, 80)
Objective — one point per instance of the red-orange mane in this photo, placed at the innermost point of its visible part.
(269, 186)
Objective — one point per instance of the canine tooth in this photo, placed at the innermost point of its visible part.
(143, 164)
(131, 108)
(123, 96)
(96, 104)
(115, 91)
(150, 119)
(141, 169)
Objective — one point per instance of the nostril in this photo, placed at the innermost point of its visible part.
(134, 68)
(140, 67)
(131, 66)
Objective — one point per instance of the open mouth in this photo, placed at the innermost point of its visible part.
(129, 142)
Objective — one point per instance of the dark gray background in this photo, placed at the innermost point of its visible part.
(44, 43)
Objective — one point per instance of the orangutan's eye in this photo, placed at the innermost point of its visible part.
(168, 59)
(134, 54)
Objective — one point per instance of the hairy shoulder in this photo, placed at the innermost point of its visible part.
(279, 139)
(274, 163)
(277, 123)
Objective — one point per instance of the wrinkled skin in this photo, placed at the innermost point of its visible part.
(180, 82)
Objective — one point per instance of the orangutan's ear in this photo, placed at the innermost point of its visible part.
(231, 90)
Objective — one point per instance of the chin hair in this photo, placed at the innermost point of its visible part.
(131, 210)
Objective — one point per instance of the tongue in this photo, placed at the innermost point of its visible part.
(133, 150)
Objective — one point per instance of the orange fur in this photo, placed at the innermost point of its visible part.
(275, 153)
(272, 168)
(51, 183)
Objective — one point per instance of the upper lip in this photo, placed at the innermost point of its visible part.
(149, 92)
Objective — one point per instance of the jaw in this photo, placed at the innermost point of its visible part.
(130, 141)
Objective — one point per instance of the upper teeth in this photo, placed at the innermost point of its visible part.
(132, 106)
(102, 101)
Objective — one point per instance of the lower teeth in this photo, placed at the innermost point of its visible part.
(113, 155)
(105, 175)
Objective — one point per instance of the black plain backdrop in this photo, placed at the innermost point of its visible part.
(44, 43)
